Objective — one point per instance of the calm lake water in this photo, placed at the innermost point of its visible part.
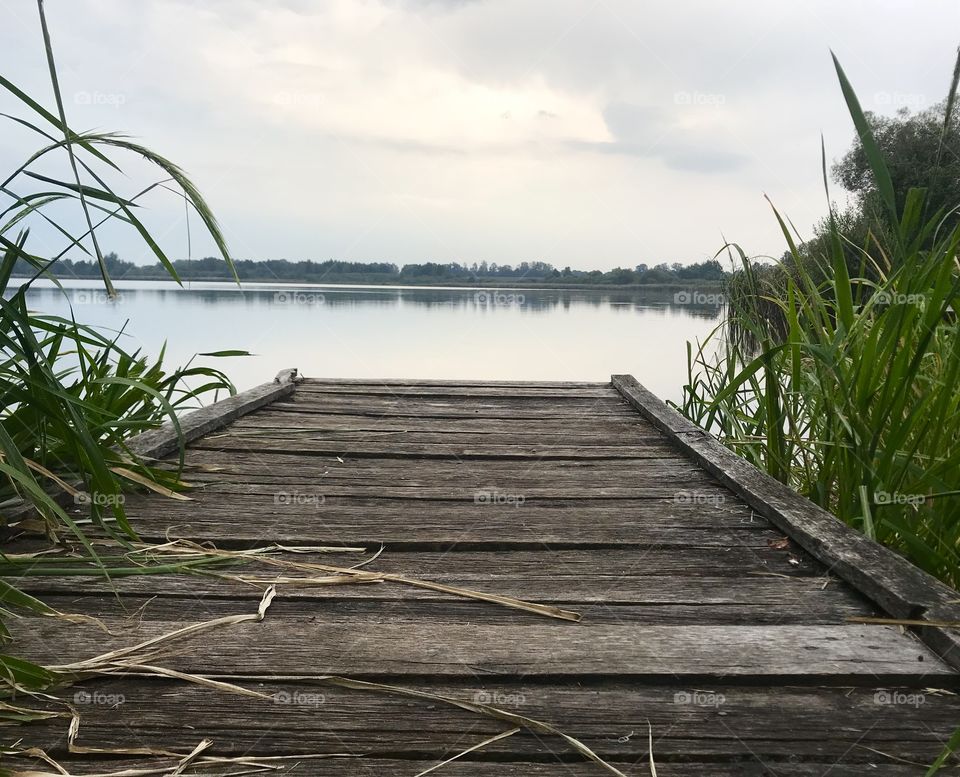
(390, 332)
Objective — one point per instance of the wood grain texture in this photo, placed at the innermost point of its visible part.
(324, 645)
(702, 614)
(508, 409)
(669, 603)
(634, 427)
(351, 766)
(568, 469)
(721, 722)
(429, 449)
(517, 391)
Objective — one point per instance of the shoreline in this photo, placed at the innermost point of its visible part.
(438, 285)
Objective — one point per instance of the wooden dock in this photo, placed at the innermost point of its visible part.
(723, 620)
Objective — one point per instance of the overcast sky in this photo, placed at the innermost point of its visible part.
(593, 134)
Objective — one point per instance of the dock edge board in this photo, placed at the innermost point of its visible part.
(896, 585)
(160, 442)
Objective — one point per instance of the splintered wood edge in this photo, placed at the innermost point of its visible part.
(163, 441)
(897, 586)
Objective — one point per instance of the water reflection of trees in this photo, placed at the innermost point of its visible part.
(532, 301)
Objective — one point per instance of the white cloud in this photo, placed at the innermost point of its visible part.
(583, 133)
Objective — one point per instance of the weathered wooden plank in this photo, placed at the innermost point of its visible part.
(894, 583)
(686, 481)
(607, 570)
(629, 428)
(529, 410)
(668, 602)
(450, 383)
(321, 644)
(727, 723)
(946, 641)
(497, 532)
(610, 402)
(378, 468)
(387, 466)
(651, 510)
(350, 766)
(654, 484)
(560, 393)
(252, 504)
(619, 436)
(279, 488)
(162, 442)
(691, 576)
(614, 574)
(395, 447)
(436, 523)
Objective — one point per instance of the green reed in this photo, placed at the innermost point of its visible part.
(848, 388)
(70, 395)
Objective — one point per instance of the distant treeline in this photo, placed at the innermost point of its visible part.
(335, 271)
